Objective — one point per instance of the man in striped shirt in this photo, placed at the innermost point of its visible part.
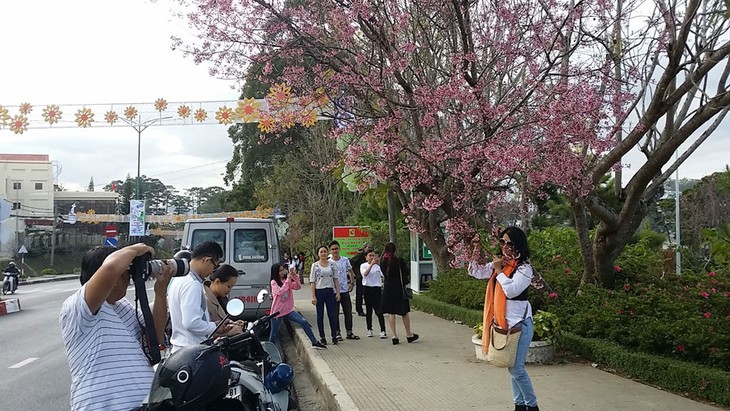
(102, 332)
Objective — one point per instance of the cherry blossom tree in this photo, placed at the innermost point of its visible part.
(453, 104)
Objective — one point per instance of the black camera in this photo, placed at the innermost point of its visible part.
(144, 267)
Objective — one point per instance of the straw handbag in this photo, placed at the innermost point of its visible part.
(503, 344)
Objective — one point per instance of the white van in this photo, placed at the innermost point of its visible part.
(251, 245)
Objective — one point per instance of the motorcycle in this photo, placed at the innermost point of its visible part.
(229, 373)
(10, 283)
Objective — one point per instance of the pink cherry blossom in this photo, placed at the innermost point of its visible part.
(707, 314)
(617, 268)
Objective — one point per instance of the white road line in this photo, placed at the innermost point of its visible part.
(70, 289)
(24, 362)
(50, 290)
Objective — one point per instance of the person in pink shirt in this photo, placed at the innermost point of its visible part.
(282, 284)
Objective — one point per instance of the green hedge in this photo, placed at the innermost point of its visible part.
(702, 382)
(450, 312)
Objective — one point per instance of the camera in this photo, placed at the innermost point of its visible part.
(144, 267)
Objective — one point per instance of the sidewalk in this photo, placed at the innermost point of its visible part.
(440, 372)
(49, 278)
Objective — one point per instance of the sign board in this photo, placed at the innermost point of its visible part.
(425, 251)
(351, 239)
(111, 242)
(23, 250)
(110, 231)
(136, 218)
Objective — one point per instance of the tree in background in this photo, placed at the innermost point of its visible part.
(453, 104)
(91, 184)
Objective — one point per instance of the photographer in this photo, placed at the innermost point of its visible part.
(191, 322)
(102, 334)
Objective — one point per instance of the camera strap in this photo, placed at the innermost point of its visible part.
(150, 345)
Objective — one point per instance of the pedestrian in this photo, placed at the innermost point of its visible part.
(300, 266)
(325, 292)
(283, 281)
(372, 280)
(217, 288)
(103, 335)
(509, 275)
(357, 261)
(346, 279)
(394, 301)
(286, 260)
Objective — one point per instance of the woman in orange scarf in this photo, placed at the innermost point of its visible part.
(506, 304)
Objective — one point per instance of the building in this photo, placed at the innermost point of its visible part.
(26, 183)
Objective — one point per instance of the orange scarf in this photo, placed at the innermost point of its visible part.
(495, 304)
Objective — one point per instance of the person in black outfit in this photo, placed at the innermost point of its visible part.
(394, 301)
(356, 262)
(13, 271)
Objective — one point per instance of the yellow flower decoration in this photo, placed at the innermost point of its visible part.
(130, 112)
(201, 115)
(287, 120)
(160, 104)
(320, 97)
(309, 119)
(266, 124)
(84, 117)
(52, 114)
(111, 117)
(280, 94)
(224, 115)
(19, 124)
(25, 108)
(183, 111)
(4, 117)
(248, 110)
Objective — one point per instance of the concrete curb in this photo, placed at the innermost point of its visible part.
(330, 390)
(9, 306)
(50, 279)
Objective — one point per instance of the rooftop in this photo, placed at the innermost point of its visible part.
(24, 157)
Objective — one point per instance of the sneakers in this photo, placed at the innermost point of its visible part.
(318, 346)
(383, 335)
(335, 341)
(370, 333)
(323, 341)
(338, 338)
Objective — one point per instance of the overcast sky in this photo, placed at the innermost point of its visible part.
(91, 52)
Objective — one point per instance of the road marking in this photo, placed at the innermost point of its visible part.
(50, 290)
(23, 363)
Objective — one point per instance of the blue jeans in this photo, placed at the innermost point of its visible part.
(326, 298)
(294, 316)
(521, 385)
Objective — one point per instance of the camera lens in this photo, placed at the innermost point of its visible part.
(182, 267)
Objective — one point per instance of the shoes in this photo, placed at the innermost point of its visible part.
(351, 336)
(323, 341)
(396, 341)
(413, 338)
(335, 341)
(361, 314)
(520, 407)
(338, 338)
(370, 333)
(383, 335)
(318, 346)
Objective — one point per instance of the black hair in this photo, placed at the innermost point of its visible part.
(224, 273)
(208, 249)
(390, 249)
(334, 242)
(275, 273)
(322, 246)
(92, 261)
(519, 241)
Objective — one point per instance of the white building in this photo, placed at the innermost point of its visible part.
(26, 183)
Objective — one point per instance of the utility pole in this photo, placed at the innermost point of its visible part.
(678, 254)
(53, 232)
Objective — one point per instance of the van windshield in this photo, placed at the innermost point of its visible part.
(250, 246)
(217, 235)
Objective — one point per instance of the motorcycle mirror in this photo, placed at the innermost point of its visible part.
(261, 297)
(234, 307)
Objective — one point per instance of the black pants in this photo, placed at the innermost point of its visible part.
(358, 294)
(372, 303)
(346, 304)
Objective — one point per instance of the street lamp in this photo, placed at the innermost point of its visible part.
(139, 127)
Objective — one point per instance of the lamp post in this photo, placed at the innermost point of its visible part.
(139, 126)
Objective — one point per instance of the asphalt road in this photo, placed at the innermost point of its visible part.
(34, 373)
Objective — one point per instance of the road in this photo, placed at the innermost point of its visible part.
(34, 373)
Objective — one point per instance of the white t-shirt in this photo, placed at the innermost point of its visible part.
(188, 311)
(517, 310)
(343, 272)
(109, 370)
(374, 277)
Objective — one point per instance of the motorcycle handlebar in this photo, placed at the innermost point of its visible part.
(250, 333)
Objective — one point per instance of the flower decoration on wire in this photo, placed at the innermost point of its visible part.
(201, 115)
(280, 94)
(84, 117)
(183, 111)
(4, 116)
(320, 97)
(224, 115)
(160, 104)
(19, 124)
(130, 112)
(309, 119)
(111, 117)
(52, 114)
(287, 120)
(266, 124)
(248, 110)
(25, 108)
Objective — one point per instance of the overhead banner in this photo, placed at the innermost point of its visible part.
(136, 218)
(351, 239)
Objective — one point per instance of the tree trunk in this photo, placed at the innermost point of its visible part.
(584, 239)
(392, 232)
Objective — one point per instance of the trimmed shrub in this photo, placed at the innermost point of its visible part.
(48, 271)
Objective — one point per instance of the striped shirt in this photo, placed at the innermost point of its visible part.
(109, 370)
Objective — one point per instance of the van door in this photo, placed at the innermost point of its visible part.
(209, 231)
(253, 253)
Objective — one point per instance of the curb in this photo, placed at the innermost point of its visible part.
(9, 306)
(330, 390)
(50, 279)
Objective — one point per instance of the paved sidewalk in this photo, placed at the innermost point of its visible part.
(440, 372)
(49, 278)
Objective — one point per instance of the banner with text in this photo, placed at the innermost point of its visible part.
(136, 218)
(351, 239)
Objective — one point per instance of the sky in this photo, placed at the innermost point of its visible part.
(92, 52)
